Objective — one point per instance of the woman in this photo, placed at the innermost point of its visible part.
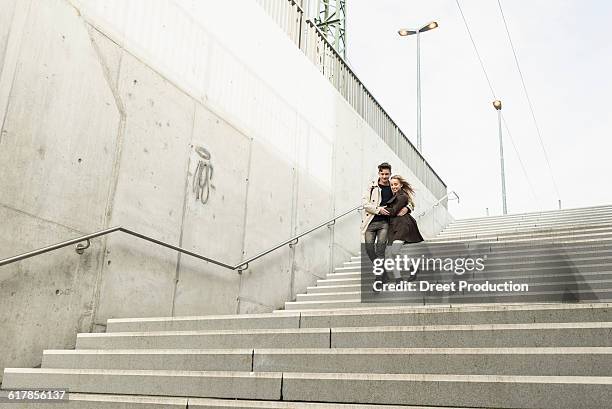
(402, 229)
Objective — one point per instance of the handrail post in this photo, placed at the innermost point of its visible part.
(80, 248)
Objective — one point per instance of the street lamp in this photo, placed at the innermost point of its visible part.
(498, 106)
(406, 32)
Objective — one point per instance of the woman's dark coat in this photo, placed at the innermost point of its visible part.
(405, 227)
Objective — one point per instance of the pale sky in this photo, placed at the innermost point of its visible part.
(565, 53)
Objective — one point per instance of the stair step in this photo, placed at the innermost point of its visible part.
(208, 322)
(569, 237)
(252, 338)
(212, 384)
(428, 336)
(535, 279)
(591, 361)
(423, 389)
(534, 225)
(105, 401)
(407, 315)
(502, 248)
(357, 303)
(533, 252)
(479, 335)
(561, 392)
(548, 213)
(577, 266)
(151, 359)
(518, 220)
(479, 361)
(452, 315)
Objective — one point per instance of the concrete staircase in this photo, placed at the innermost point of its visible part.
(329, 350)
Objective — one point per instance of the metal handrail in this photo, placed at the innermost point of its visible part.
(243, 265)
(437, 203)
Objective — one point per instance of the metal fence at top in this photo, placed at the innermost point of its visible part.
(290, 15)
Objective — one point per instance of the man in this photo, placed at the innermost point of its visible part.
(375, 223)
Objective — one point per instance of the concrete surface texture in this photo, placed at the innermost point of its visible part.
(107, 111)
(519, 355)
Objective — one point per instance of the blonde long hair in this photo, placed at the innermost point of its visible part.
(406, 187)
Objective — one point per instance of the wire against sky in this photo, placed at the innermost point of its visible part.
(467, 27)
(518, 67)
(476, 50)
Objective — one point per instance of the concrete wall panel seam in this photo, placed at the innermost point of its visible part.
(244, 220)
(12, 51)
(114, 88)
(80, 233)
(185, 198)
(254, 301)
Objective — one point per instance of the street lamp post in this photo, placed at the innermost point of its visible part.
(498, 106)
(406, 32)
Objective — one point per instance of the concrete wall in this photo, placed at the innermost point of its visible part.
(103, 105)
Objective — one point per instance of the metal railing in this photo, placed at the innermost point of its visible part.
(243, 265)
(434, 222)
(290, 16)
(437, 203)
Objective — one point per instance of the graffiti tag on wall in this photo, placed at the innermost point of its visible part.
(203, 175)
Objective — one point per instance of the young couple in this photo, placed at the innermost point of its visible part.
(387, 221)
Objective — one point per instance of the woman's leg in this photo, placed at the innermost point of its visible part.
(394, 250)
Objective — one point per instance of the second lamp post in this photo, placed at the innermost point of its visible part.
(406, 32)
(498, 106)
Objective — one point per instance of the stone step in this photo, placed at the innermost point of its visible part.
(249, 338)
(452, 315)
(433, 336)
(590, 291)
(201, 323)
(457, 234)
(570, 236)
(442, 298)
(528, 233)
(499, 253)
(250, 404)
(240, 360)
(576, 212)
(105, 401)
(543, 392)
(102, 401)
(459, 307)
(540, 276)
(509, 270)
(508, 221)
(577, 334)
(536, 277)
(528, 225)
(357, 303)
(556, 392)
(501, 247)
(535, 284)
(213, 384)
(477, 361)
(390, 316)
